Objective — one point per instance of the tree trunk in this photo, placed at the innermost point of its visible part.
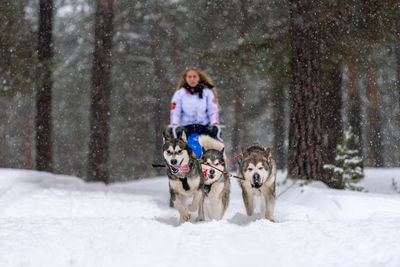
(332, 117)
(374, 130)
(43, 120)
(354, 106)
(28, 144)
(98, 162)
(238, 117)
(278, 117)
(2, 138)
(159, 91)
(239, 125)
(397, 52)
(304, 155)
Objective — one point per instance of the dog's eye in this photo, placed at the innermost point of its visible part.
(169, 152)
(250, 169)
(260, 168)
(179, 152)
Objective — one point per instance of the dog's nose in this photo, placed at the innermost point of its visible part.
(212, 171)
(174, 161)
(256, 176)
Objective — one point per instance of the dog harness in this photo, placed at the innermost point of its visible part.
(185, 184)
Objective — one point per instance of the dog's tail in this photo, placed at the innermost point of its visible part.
(208, 142)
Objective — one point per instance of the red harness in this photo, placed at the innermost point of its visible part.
(214, 167)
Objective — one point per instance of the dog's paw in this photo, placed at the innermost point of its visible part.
(186, 217)
(192, 207)
(270, 219)
(199, 219)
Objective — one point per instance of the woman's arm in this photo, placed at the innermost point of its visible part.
(212, 108)
(176, 109)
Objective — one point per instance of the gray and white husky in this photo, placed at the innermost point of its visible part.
(259, 170)
(186, 178)
(216, 189)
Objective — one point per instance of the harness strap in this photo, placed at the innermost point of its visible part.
(185, 184)
(214, 167)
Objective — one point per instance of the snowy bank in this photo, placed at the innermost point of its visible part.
(55, 220)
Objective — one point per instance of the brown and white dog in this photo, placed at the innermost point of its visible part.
(186, 177)
(216, 188)
(259, 171)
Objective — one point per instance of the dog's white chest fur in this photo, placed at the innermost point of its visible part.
(213, 206)
(177, 185)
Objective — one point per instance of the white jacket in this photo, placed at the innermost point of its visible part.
(191, 109)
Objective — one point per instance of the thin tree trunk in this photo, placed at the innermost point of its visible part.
(98, 162)
(374, 130)
(397, 52)
(158, 92)
(2, 137)
(354, 106)
(305, 144)
(278, 117)
(237, 126)
(28, 144)
(43, 120)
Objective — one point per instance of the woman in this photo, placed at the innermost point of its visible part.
(194, 105)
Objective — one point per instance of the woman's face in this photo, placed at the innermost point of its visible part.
(192, 78)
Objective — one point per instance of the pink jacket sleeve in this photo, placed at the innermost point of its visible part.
(212, 109)
(176, 108)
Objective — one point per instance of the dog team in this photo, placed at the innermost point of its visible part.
(195, 157)
(206, 183)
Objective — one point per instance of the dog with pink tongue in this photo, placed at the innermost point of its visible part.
(186, 178)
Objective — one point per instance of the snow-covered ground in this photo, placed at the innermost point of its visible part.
(53, 220)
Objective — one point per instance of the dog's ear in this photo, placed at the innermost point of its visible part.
(202, 153)
(223, 150)
(267, 152)
(183, 136)
(166, 136)
(244, 150)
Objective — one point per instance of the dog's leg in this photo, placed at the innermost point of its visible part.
(269, 198)
(195, 202)
(248, 200)
(171, 203)
(178, 202)
(200, 216)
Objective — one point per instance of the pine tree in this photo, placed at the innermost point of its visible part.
(98, 162)
(348, 169)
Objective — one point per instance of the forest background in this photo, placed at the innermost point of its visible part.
(247, 47)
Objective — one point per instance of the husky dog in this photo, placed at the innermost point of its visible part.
(217, 185)
(186, 178)
(259, 170)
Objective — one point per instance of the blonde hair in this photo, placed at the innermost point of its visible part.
(203, 78)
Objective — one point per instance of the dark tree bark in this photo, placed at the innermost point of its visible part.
(397, 52)
(278, 117)
(159, 92)
(98, 162)
(43, 120)
(304, 155)
(354, 106)
(2, 163)
(239, 125)
(28, 144)
(375, 156)
(332, 116)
